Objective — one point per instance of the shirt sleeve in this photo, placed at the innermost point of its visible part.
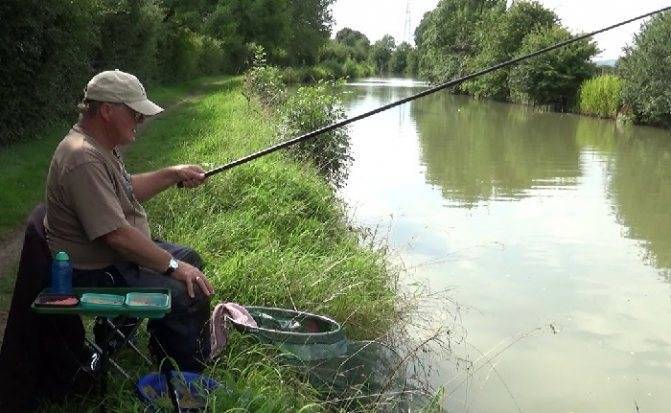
(93, 198)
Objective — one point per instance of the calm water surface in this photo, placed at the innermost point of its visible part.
(553, 233)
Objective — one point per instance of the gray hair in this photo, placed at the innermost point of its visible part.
(88, 108)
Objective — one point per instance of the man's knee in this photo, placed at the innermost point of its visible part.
(192, 257)
(182, 302)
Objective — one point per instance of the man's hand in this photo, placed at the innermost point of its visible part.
(148, 184)
(189, 176)
(191, 275)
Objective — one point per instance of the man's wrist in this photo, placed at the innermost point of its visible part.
(176, 178)
(173, 264)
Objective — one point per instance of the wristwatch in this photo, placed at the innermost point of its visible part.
(172, 266)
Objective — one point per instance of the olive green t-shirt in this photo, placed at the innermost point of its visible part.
(89, 194)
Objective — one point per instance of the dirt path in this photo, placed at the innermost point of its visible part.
(10, 249)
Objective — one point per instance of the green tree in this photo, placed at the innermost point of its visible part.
(335, 51)
(351, 37)
(238, 23)
(357, 43)
(311, 22)
(411, 63)
(222, 25)
(380, 53)
(46, 53)
(189, 14)
(552, 78)
(646, 71)
(131, 31)
(501, 36)
(398, 62)
(446, 37)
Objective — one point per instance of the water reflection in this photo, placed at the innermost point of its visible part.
(551, 220)
(639, 182)
(478, 152)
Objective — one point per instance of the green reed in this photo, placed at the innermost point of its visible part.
(601, 96)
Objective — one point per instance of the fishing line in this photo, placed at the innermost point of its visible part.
(423, 93)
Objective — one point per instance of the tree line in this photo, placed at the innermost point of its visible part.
(459, 37)
(351, 54)
(51, 48)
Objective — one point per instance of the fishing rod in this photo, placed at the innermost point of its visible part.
(423, 93)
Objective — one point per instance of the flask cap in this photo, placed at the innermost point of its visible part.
(62, 256)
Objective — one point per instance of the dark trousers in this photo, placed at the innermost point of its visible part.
(183, 334)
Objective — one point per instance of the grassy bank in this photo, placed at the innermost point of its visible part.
(271, 232)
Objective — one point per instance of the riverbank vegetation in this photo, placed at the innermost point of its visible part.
(601, 96)
(56, 44)
(646, 73)
(459, 37)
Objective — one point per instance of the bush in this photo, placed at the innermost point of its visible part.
(211, 59)
(320, 72)
(315, 107)
(333, 68)
(130, 33)
(292, 75)
(555, 77)
(264, 81)
(45, 53)
(646, 71)
(601, 96)
(355, 70)
(179, 54)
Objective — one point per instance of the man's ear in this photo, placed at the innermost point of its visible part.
(105, 111)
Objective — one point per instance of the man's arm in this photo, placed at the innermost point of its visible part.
(148, 184)
(134, 246)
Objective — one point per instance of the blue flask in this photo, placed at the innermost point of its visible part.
(61, 274)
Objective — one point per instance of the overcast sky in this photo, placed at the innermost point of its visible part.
(375, 18)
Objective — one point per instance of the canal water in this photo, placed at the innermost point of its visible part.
(548, 234)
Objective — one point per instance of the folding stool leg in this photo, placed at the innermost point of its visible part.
(126, 339)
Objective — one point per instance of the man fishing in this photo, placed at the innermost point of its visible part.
(94, 214)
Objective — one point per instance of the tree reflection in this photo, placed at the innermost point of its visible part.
(476, 152)
(639, 183)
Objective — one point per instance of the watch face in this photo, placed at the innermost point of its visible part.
(172, 266)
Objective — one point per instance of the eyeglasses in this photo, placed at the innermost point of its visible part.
(139, 118)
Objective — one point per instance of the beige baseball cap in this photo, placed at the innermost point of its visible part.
(120, 87)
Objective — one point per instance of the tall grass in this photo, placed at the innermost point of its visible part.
(273, 222)
(601, 96)
(271, 233)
